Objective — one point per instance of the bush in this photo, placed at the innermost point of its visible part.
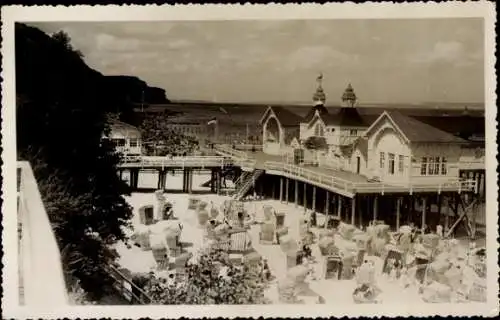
(213, 279)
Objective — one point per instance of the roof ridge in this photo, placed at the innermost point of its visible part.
(395, 114)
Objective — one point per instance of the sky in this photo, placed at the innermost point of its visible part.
(386, 61)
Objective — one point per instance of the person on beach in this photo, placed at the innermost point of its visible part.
(439, 231)
(313, 218)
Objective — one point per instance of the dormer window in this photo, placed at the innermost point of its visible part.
(318, 130)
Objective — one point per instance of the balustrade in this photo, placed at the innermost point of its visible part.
(367, 187)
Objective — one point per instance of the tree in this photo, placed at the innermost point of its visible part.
(64, 40)
(213, 279)
(315, 143)
(61, 119)
(161, 140)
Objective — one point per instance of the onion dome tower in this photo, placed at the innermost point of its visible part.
(348, 114)
(349, 97)
(319, 97)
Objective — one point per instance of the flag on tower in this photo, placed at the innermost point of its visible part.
(320, 77)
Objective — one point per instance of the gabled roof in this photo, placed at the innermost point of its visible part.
(290, 134)
(347, 117)
(414, 130)
(285, 117)
(362, 144)
(117, 124)
(310, 115)
(314, 120)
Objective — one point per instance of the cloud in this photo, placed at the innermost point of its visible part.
(107, 42)
(318, 56)
(451, 52)
(179, 44)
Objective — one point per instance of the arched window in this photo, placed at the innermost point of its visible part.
(318, 130)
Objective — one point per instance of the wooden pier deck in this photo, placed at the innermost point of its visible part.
(343, 182)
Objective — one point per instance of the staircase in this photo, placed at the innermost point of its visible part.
(227, 171)
(245, 183)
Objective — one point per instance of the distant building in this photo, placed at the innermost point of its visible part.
(190, 127)
(220, 129)
(125, 137)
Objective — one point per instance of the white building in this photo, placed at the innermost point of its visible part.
(320, 135)
(398, 148)
(126, 137)
(395, 148)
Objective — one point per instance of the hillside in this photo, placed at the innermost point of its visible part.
(54, 73)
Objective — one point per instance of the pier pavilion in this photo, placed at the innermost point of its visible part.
(397, 169)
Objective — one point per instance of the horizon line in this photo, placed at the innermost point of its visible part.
(309, 104)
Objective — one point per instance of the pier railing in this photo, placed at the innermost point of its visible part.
(349, 188)
(342, 186)
(228, 150)
(249, 147)
(41, 281)
(188, 161)
(240, 158)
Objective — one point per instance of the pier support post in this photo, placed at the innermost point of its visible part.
(424, 208)
(219, 180)
(134, 178)
(375, 207)
(447, 216)
(327, 207)
(439, 205)
(130, 178)
(296, 199)
(281, 189)
(184, 180)
(160, 176)
(314, 199)
(353, 210)
(339, 206)
(273, 187)
(287, 189)
(360, 212)
(305, 197)
(190, 180)
(398, 212)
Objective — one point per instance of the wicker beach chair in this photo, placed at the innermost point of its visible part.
(146, 215)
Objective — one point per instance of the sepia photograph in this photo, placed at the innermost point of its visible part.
(304, 162)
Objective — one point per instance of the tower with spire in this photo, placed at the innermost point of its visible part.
(349, 97)
(319, 97)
